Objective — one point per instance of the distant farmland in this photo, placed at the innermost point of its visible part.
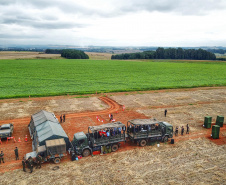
(46, 77)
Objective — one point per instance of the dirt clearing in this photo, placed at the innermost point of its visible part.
(193, 159)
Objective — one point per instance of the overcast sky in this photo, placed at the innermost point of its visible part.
(113, 22)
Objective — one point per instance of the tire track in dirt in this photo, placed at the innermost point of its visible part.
(113, 107)
(180, 105)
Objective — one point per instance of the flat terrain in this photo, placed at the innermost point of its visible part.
(99, 56)
(49, 77)
(193, 159)
(27, 55)
(191, 162)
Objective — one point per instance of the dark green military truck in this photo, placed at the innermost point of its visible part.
(142, 131)
(109, 135)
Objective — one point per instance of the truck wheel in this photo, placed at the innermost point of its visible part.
(165, 139)
(143, 142)
(86, 153)
(114, 148)
(56, 160)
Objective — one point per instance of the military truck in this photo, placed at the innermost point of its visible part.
(6, 130)
(54, 150)
(142, 131)
(109, 135)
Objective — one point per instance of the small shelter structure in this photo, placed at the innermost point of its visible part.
(45, 126)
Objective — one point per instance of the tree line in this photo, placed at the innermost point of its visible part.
(68, 53)
(169, 53)
(53, 51)
(220, 51)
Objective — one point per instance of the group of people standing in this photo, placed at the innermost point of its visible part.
(142, 128)
(177, 128)
(30, 163)
(182, 130)
(2, 155)
(109, 132)
(62, 118)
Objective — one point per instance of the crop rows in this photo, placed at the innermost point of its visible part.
(46, 77)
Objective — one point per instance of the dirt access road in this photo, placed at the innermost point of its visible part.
(183, 105)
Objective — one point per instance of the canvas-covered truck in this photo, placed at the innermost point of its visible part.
(6, 130)
(107, 135)
(54, 150)
(142, 131)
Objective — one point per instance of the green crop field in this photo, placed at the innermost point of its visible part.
(45, 77)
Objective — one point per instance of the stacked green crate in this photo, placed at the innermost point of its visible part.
(220, 121)
(215, 131)
(207, 122)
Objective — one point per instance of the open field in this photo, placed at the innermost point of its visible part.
(23, 78)
(193, 159)
(40, 55)
(220, 55)
(27, 55)
(99, 56)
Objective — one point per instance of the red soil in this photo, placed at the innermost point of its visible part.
(78, 122)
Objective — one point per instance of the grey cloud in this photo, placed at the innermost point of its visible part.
(43, 24)
(185, 7)
(40, 20)
(55, 25)
(49, 17)
(6, 2)
(119, 7)
(18, 36)
(44, 17)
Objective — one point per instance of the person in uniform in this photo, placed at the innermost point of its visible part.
(73, 156)
(39, 161)
(111, 132)
(187, 132)
(24, 163)
(64, 117)
(182, 130)
(16, 153)
(176, 131)
(2, 157)
(111, 117)
(61, 119)
(30, 164)
(165, 112)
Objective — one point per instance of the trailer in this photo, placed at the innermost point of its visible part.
(54, 150)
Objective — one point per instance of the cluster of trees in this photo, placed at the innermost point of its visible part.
(169, 53)
(53, 51)
(68, 53)
(74, 54)
(222, 59)
(220, 51)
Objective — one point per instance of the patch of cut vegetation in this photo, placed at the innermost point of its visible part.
(190, 162)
